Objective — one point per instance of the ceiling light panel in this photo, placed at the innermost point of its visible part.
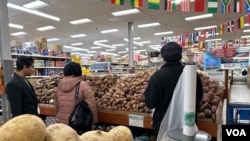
(205, 27)
(199, 17)
(35, 4)
(15, 26)
(18, 33)
(117, 45)
(109, 31)
(95, 47)
(77, 44)
(35, 12)
(53, 39)
(78, 35)
(148, 25)
(163, 33)
(81, 21)
(46, 28)
(126, 12)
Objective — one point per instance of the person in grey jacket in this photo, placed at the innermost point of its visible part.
(159, 91)
(20, 93)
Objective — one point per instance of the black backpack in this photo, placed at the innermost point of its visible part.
(81, 117)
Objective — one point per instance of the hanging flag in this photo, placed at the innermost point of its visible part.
(247, 6)
(238, 6)
(199, 5)
(185, 6)
(202, 44)
(212, 6)
(248, 18)
(169, 5)
(213, 32)
(230, 26)
(225, 6)
(154, 4)
(242, 22)
(192, 37)
(117, 2)
(221, 31)
(136, 3)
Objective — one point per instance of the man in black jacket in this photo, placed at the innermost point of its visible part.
(159, 91)
(20, 93)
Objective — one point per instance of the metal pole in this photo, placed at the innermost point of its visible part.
(5, 54)
(130, 46)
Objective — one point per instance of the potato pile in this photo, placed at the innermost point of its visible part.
(127, 94)
(44, 89)
(101, 84)
(212, 95)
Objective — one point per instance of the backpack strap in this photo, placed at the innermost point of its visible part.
(77, 92)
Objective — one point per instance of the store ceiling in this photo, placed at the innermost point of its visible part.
(100, 12)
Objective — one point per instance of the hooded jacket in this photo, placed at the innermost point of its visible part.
(65, 98)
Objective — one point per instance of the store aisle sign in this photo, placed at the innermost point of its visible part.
(136, 120)
(225, 51)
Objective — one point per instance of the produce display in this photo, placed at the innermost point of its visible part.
(213, 94)
(31, 128)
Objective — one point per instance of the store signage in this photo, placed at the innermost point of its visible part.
(136, 120)
(225, 51)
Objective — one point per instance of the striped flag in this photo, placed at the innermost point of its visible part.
(169, 5)
(247, 6)
(242, 22)
(185, 6)
(225, 6)
(221, 29)
(199, 5)
(154, 4)
(230, 26)
(238, 6)
(136, 3)
(117, 2)
(213, 32)
(212, 6)
(248, 18)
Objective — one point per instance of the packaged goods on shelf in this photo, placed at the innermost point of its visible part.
(56, 48)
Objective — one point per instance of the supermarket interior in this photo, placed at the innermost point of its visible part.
(118, 45)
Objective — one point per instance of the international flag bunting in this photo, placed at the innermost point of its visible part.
(247, 6)
(154, 4)
(136, 3)
(242, 22)
(185, 5)
(225, 6)
(221, 29)
(206, 33)
(238, 6)
(117, 2)
(169, 5)
(199, 5)
(230, 26)
(212, 6)
(213, 32)
(248, 18)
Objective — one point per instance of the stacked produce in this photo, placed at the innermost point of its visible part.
(44, 89)
(32, 128)
(127, 94)
(213, 94)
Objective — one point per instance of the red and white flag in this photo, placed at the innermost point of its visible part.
(185, 6)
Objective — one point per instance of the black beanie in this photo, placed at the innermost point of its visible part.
(172, 51)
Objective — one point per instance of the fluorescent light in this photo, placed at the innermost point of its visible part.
(103, 45)
(218, 39)
(18, 33)
(163, 33)
(145, 42)
(95, 47)
(52, 39)
(75, 48)
(117, 45)
(81, 21)
(78, 35)
(101, 41)
(110, 50)
(148, 25)
(46, 28)
(35, 4)
(136, 38)
(77, 44)
(109, 31)
(155, 46)
(108, 53)
(245, 36)
(246, 24)
(126, 12)
(246, 30)
(121, 52)
(15, 26)
(205, 27)
(199, 17)
(35, 12)
(91, 51)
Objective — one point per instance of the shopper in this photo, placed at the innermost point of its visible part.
(20, 93)
(159, 91)
(65, 93)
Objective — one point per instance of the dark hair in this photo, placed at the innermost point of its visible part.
(72, 68)
(24, 61)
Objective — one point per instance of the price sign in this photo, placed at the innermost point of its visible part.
(135, 120)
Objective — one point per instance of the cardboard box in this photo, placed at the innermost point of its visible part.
(56, 48)
(15, 43)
